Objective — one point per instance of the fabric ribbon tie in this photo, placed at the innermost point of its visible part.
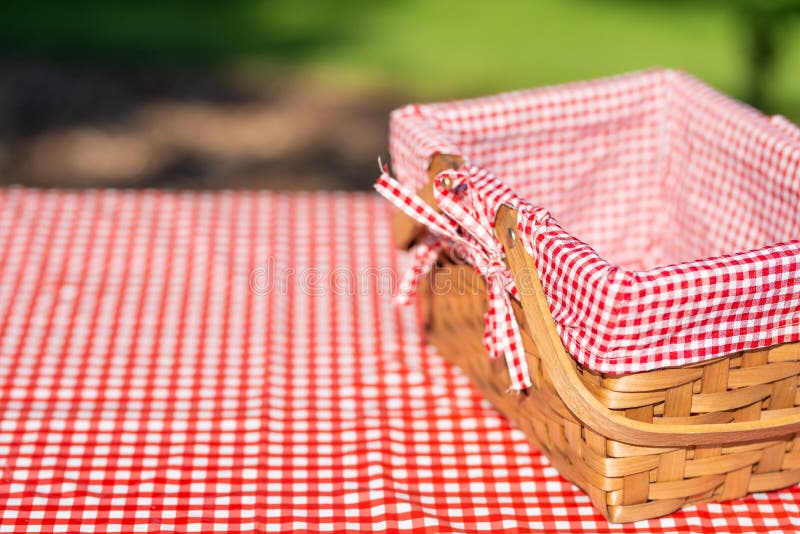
(465, 228)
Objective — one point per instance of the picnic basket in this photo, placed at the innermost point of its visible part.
(715, 422)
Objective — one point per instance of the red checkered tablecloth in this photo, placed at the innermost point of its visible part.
(233, 361)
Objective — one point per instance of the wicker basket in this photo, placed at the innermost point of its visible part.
(640, 445)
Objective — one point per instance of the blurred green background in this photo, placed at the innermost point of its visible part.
(295, 94)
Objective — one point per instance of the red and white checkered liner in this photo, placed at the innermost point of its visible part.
(155, 377)
(677, 209)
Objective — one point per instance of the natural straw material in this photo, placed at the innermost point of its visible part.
(641, 445)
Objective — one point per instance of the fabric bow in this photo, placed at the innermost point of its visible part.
(465, 228)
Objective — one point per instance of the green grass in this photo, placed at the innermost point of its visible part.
(426, 49)
(441, 48)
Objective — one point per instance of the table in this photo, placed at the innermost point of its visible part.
(178, 361)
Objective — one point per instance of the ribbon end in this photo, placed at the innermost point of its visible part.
(402, 299)
(384, 167)
(516, 389)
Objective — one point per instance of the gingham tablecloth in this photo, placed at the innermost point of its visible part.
(231, 361)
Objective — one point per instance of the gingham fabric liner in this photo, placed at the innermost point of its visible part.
(145, 387)
(653, 178)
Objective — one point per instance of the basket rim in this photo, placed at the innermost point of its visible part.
(562, 370)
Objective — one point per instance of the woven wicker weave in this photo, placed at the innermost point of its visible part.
(640, 445)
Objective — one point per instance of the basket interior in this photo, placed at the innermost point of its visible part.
(649, 169)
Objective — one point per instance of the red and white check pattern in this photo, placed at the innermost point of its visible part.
(677, 209)
(478, 246)
(150, 383)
